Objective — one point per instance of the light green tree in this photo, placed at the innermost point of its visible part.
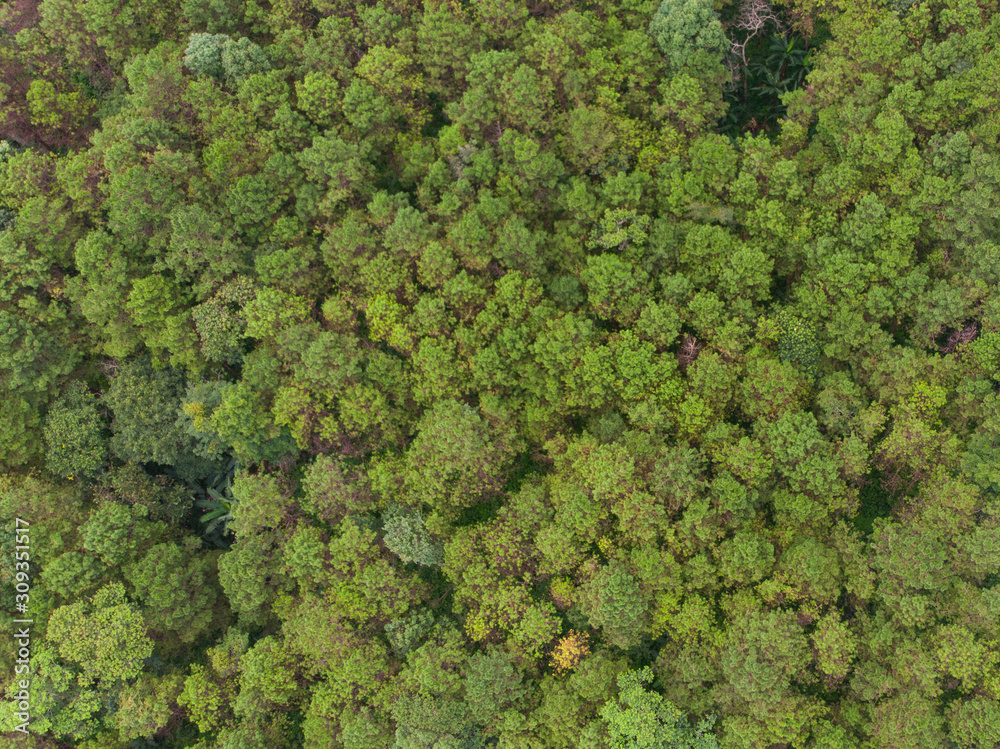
(105, 636)
(642, 719)
(406, 536)
(689, 33)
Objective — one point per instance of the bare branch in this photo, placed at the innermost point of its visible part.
(960, 337)
(688, 352)
(753, 17)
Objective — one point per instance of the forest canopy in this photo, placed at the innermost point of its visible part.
(529, 374)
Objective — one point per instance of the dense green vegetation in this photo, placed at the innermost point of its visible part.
(533, 374)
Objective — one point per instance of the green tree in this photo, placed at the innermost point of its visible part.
(242, 420)
(101, 289)
(613, 601)
(19, 442)
(147, 706)
(240, 59)
(974, 723)
(76, 443)
(406, 634)
(457, 459)
(32, 359)
(176, 589)
(203, 55)
(118, 533)
(144, 403)
(250, 577)
(162, 498)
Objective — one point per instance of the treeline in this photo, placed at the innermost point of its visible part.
(502, 373)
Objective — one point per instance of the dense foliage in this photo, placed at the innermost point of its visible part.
(502, 373)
